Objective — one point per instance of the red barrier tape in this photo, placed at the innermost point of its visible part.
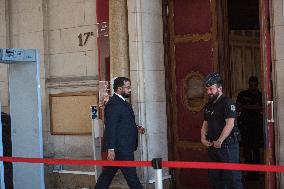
(170, 164)
(224, 166)
(77, 162)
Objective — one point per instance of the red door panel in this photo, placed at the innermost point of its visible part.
(102, 12)
(103, 40)
(265, 45)
(192, 26)
(198, 177)
(189, 16)
(190, 57)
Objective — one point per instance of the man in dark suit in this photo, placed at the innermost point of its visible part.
(121, 134)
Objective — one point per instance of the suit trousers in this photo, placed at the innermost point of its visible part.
(129, 173)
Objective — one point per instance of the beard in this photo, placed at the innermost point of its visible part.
(125, 95)
(213, 97)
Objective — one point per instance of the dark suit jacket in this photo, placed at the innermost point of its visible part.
(120, 128)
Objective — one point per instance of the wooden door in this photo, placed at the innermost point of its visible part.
(192, 55)
(103, 39)
(270, 178)
(102, 12)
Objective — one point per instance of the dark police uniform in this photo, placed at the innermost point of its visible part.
(250, 122)
(216, 113)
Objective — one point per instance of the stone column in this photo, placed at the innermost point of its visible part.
(118, 32)
(147, 73)
(277, 31)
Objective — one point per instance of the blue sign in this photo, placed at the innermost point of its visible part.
(94, 112)
(17, 55)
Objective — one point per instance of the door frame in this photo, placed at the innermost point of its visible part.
(223, 55)
(266, 68)
(266, 83)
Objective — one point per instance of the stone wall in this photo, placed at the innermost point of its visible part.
(72, 67)
(277, 36)
(65, 32)
(72, 60)
(276, 23)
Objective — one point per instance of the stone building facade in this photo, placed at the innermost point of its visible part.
(66, 34)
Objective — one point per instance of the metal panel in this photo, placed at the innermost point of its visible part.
(2, 183)
(26, 117)
(10, 56)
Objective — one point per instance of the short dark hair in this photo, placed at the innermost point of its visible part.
(220, 84)
(119, 82)
(212, 79)
(253, 79)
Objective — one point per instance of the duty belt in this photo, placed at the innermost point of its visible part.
(232, 138)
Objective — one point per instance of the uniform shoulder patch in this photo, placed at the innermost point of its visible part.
(233, 108)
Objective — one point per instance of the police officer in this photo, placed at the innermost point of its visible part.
(250, 122)
(220, 134)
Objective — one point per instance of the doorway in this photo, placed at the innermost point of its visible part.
(227, 36)
(244, 69)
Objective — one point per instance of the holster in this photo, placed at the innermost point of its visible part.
(233, 138)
